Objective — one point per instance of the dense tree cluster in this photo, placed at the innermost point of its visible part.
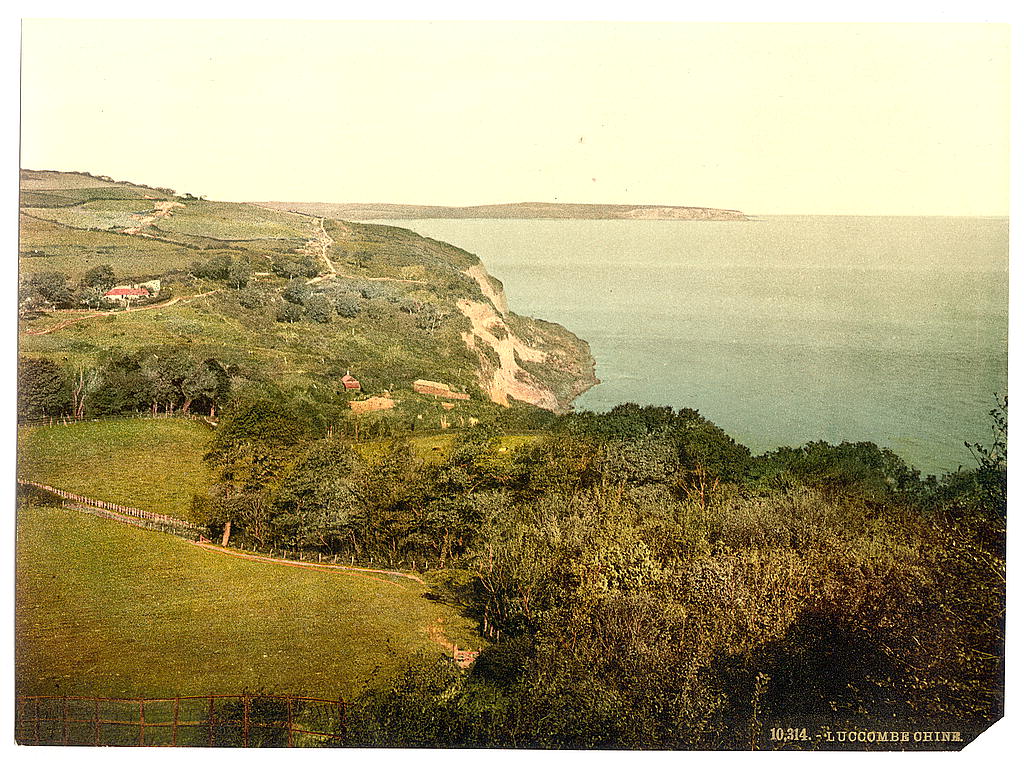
(646, 582)
(159, 379)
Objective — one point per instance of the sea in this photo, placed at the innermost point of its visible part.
(782, 329)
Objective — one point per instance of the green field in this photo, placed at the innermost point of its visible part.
(106, 609)
(153, 464)
(47, 245)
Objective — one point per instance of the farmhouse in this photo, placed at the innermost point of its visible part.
(125, 294)
(350, 382)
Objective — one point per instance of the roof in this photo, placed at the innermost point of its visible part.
(350, 381)
(124, 291)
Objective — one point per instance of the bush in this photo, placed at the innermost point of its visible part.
(318, 309)
(347, 305)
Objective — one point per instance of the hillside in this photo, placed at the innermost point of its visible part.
(276, 300)
(102, 460)
(368, 211)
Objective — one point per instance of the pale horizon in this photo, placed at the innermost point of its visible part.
(768, 119)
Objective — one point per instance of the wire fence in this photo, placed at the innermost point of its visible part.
(65, 420)
(124, 513)
(216, 720)
(196, 533)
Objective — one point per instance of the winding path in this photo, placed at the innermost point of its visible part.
(102, 313)
(307, 564)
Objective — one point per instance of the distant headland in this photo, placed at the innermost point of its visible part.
(365, 211)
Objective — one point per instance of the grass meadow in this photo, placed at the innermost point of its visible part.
(106, 609)
(153, 464)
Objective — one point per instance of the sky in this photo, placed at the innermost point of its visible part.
(909, 119)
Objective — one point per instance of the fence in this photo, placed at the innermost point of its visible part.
(218, 720)
(63, 421)
(168, 525)
(122, 513)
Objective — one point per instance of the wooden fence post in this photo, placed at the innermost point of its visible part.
(291, 741)
(174, 727)
(245, 721)
(341, 720)
(142, 722)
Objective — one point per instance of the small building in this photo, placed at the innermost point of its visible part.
(350, 382)
(438, 390)
(125, 294)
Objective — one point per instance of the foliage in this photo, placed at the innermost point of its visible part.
(297, 291)
(346, 304)
(42, 389)
(318, 309)
(50, 287)
(100, 277)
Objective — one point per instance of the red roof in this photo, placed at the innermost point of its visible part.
(350, 382)
(127, 292)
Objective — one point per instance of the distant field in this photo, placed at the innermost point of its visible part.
(86, 218)
(49, 245)
(60, 180)
(153, 464)
(230, 221)
(111, 610)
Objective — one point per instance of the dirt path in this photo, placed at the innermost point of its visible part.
(435, 630)
(323, 242)
(101, 313)
(161, 209)
(307, 565)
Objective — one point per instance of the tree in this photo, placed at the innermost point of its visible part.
(42, 389)
(252, 298)
(296, 292)
(217, 267)
(85, 383)
(240, 272)
(100, 277)
(200, 382)
(318, 309)
(51, 287)
(165, 371)
(317, 499)
(253, 445)
(90, 296)
(289, 313)
(347, 304)
(991, 472)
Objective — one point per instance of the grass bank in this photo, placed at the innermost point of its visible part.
(153, 464)
(110, 610)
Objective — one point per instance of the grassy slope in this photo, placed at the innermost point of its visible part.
(108, 609)
(155, 465)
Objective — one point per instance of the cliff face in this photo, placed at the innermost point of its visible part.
(521, 358)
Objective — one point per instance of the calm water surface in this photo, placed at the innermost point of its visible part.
(780, 330)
